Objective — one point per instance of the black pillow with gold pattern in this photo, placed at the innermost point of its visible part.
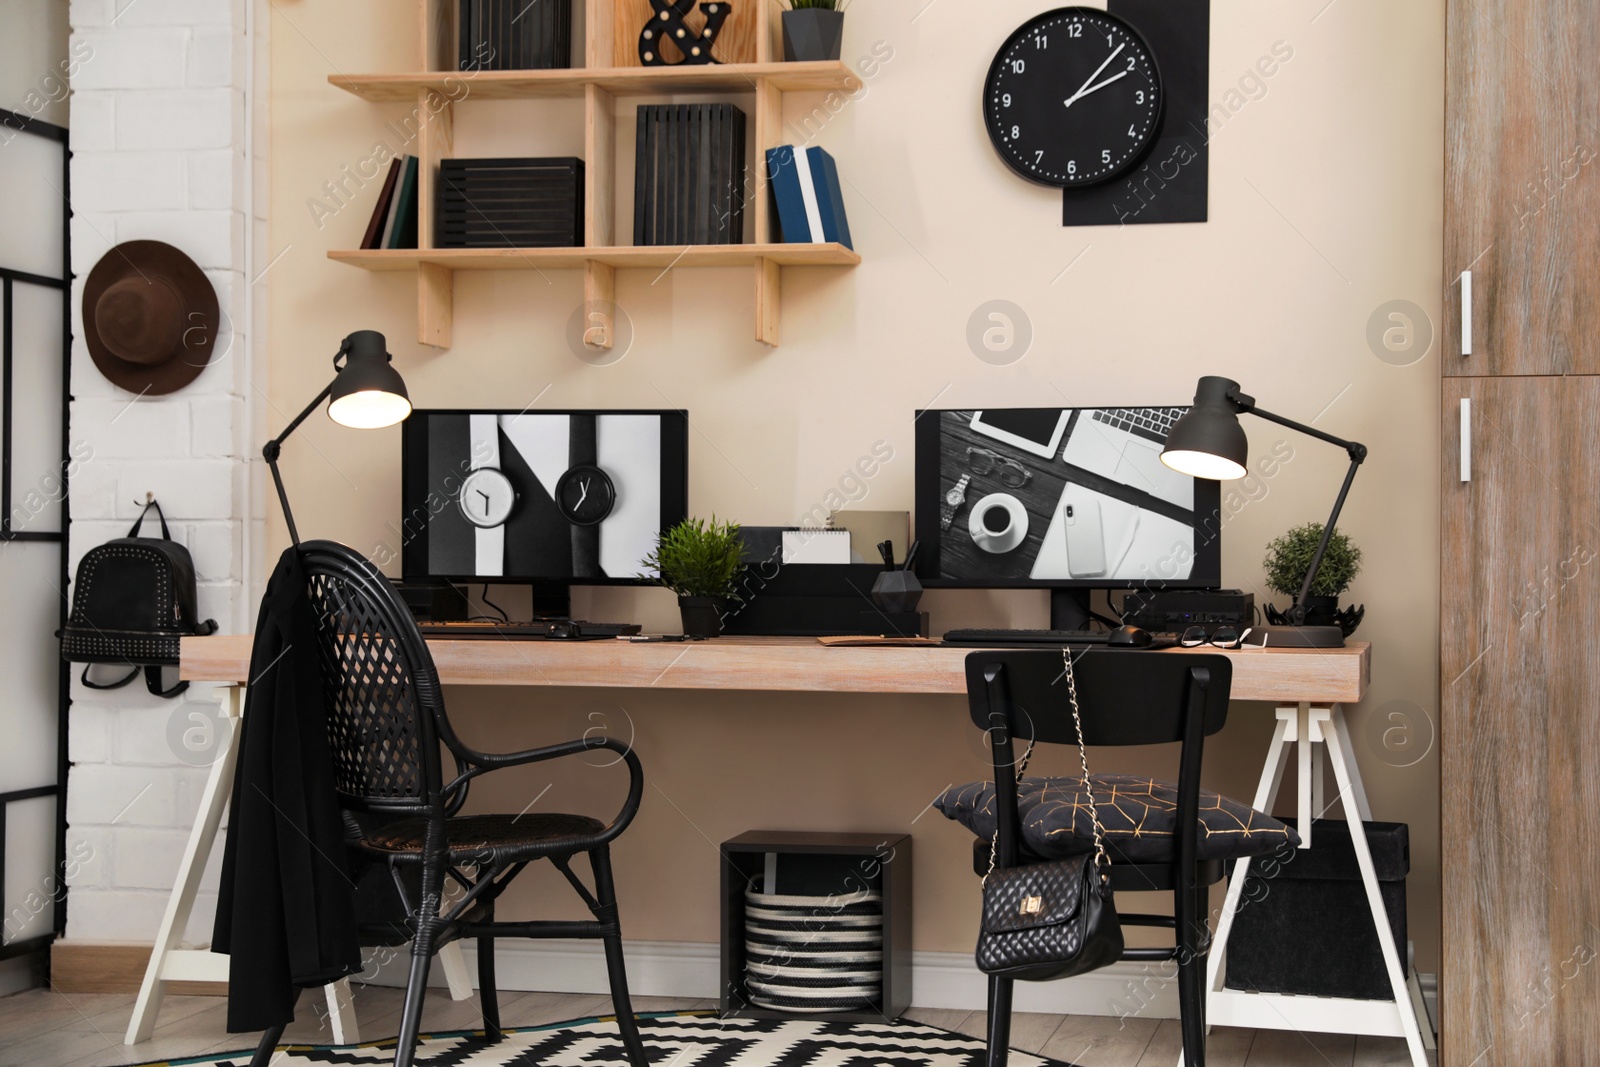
(1139, 815)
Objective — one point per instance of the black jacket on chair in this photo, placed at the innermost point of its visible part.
(286, 905)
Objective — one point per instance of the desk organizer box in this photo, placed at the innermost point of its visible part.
(813, 954)
(1304, 926)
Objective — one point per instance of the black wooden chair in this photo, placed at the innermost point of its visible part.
(1125, 697)
(386, 720)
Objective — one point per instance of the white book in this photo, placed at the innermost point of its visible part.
(808, 192)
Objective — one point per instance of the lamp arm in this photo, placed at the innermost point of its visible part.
(1297, 611)
(273, 448)
(1357, 453)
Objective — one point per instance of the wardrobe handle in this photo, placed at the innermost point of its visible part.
(1466, 314)
(1466, 439)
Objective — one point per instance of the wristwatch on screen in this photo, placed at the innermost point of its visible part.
(585, 494)
(953, 501)
(487, 496)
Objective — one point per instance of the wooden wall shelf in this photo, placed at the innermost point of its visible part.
(785, 255)
(611, 70)
(621, 81)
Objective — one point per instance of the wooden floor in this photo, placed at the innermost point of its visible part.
(42, 1028)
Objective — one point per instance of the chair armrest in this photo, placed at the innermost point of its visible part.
(484, 762)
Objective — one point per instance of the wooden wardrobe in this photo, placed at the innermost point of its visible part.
(1520, 536)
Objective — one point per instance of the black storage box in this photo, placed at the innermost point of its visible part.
(1304, 925)
(510, 203)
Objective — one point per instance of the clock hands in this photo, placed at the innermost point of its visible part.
(486, 501)
(1084, 90)
(583, 494)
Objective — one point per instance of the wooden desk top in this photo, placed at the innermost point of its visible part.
(794, 664)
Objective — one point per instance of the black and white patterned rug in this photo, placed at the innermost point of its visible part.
(678, 1039)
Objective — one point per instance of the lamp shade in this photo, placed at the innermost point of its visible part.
(1208, 442)
(368, 393)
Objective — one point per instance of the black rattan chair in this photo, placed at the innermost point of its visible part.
(386, 720)
(1128, 698)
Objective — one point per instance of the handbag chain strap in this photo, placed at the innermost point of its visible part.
(1101, 858)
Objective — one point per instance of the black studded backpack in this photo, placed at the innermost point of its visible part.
(134, 597)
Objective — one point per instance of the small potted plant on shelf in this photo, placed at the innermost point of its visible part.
(702, 562)
(1288, 559)
(812, 29)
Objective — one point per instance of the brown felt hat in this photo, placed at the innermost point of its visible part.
(150, 317)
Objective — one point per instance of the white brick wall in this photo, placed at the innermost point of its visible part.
(158, 119)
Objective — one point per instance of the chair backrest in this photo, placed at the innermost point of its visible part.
(382, 691)
(1126, 697)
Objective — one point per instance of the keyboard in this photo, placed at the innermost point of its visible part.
(1150, 423)
(1050, 638)
(539, 630)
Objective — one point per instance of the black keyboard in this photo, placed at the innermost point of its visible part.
(1052, 638)
(540, 630)
(1149, 423)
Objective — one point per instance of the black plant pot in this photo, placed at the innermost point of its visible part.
(812, 34)
(702, 615)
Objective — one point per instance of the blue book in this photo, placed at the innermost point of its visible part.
(830, 198)
(788, 197)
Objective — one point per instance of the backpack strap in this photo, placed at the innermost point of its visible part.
(166, 534)
(118, 684)
(152, 682)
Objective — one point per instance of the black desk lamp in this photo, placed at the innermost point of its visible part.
(1208, 442)
(367, 393)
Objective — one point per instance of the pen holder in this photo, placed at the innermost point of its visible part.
(896, 591)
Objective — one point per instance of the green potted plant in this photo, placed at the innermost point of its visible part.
(702, 562)
(1289, 557)
(813, 29)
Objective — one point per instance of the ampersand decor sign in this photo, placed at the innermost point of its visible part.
(667, 25)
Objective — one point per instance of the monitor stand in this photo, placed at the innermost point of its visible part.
(551, 600)
(1070, 609)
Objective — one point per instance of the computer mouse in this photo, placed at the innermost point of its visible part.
(1130, 637)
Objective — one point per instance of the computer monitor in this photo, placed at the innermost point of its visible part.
(549, 499)
(1066, 499)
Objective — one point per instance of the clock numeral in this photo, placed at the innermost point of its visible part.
(1105, 155)
(1132, 132)
(1038, 155)
(1016, 133)
(1075, 30)
(1005, 101)
(1072, 166)
(1018, 66)
(1133, 62)
(1139, 96)
(1111, 40)
(1041, 42)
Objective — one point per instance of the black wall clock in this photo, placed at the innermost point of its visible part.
(1126, 142)
(1073, 98)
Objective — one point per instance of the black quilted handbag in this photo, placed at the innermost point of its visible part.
(133, 598)
(1051, 920)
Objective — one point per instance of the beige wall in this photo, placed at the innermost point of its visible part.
(1326, 202)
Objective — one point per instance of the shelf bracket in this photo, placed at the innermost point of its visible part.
(600, 299)
(767, 302)
(435, 304)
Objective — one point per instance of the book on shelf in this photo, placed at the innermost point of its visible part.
(807, 196)
(376, 225)
(402, 232)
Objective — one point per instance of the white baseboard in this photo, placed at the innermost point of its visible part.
(938, 979)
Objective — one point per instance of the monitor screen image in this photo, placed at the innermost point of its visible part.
(1060, 497)
(532, 496)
